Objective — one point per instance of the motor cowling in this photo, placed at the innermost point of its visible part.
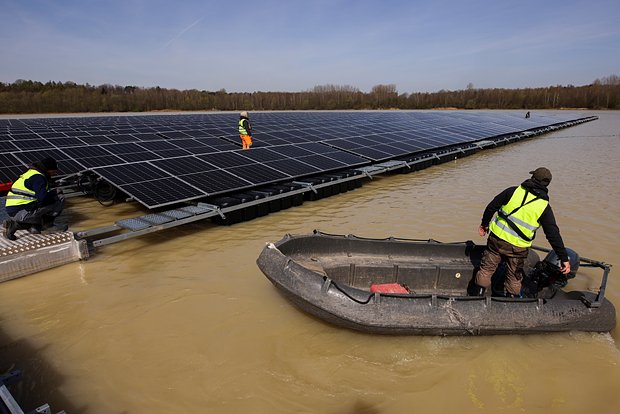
(554, 263)
(547, 273)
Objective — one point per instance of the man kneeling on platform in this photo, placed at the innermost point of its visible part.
(31, 204)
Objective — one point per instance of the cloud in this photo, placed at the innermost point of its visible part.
(181, 33)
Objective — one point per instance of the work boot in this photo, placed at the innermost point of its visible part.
(56, 228)
(50, 227)
(10, 227)
(474, 290)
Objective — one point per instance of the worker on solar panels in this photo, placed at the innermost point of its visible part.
(245, 130)
(520, 212)
(31, 204)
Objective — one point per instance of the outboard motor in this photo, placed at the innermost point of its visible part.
(553, 265)
(547, 273)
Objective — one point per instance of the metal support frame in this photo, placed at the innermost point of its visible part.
(307, 185)
(214, 208)
(9, 404)
(213, 211)
(125, 236)
(367, 174)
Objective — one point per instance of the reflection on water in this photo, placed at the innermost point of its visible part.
(183, 321)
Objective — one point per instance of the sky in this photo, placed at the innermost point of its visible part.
(291, 45)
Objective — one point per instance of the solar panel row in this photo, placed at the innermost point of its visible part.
(167, 159)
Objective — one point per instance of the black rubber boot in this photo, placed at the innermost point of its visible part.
(10, 227)
(474, 290)
(56, 228)
(50, 227)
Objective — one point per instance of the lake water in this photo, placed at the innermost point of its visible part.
(183, 320)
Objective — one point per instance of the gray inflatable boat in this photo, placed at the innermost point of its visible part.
(419, 287)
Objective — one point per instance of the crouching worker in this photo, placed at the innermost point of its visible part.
(31, 204)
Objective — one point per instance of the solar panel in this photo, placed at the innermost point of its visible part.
(258, 174)
(226, 159)
(131, 173)
(96, 139)
(10, 168)
(346, 158)
(264, 154)
(66, 142)
(122, 137)
(28, 144)
(216, 181)
(197, 155)
(322, 162)
(162, 192)
(183, 165)
(294, 168)
(157, 145)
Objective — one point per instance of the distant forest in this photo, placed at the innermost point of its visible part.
(26, 96)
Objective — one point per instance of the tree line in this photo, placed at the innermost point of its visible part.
(27, 96)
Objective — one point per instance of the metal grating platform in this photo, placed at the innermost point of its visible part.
(134, 224)
(177, 214)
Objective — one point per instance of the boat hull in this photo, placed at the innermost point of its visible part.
(293, 265)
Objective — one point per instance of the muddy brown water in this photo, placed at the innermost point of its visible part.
(183, 321)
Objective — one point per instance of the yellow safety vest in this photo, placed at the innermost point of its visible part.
(242, 130)
(19, 193)
(523, 210)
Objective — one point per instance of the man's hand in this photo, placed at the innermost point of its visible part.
(565, 268)
(483, 230)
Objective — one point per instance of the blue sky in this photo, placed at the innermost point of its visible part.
(291, 45)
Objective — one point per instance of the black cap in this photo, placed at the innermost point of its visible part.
(50, 164)
(542, 174)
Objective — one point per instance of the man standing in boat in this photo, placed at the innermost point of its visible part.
(520, 212)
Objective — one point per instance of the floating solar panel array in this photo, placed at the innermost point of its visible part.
(161, 160)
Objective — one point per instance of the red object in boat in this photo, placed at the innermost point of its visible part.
(388, 288)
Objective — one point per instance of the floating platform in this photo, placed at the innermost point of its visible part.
(32, 253)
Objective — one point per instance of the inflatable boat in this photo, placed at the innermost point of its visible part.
(419, 287)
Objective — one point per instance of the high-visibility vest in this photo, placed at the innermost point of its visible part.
(517, 221)
(19, 193)
(242, 130)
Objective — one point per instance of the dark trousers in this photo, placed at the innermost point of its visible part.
(497, 251)
(40, 214)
